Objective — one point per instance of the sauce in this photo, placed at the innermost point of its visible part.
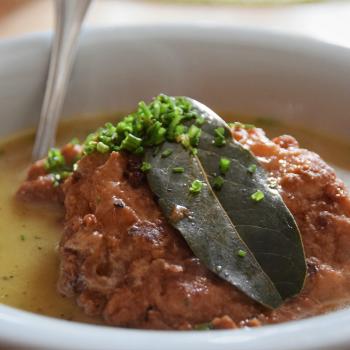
(29, 234)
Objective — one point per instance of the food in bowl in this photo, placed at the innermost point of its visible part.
(125, 257)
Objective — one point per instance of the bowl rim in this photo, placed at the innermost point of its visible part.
(319, 332)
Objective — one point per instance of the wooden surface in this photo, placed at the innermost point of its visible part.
(328, 20)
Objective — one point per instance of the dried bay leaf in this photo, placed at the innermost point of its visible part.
(220, 225)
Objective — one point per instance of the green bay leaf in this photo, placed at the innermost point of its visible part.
(254, 245)
(206, 226)
(267, 226)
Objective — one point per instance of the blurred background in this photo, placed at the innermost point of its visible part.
(325, 20)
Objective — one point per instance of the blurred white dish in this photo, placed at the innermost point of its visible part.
(229, 69)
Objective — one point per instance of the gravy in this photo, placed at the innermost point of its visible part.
(30, 233)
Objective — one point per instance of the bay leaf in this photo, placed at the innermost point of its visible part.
(267, 227)
(206, 227)
(220, 225)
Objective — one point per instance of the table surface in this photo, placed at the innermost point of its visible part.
(328, 20)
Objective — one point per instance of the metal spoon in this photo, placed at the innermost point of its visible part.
(69, 18)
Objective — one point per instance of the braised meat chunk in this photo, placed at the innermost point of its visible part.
(121, 259)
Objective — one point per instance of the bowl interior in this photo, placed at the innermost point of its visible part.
(250, 73)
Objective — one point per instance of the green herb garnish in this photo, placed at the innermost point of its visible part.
(131, 143)
(252, 168)
(167, 153)
(257, 196)
(224, 165)
(196, 187)
(55, 165)
(146, 167)
(164, 119)
(102, 148)
(178, 170)
(194, 134)
(200, 121)
(54, 160)
(219, 138)
(241, 253)
(218, 183)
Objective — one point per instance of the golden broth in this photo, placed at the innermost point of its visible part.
(29, 234)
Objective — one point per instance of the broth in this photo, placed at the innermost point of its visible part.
(30, 233)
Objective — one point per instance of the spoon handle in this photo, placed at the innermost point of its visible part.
(69, 18)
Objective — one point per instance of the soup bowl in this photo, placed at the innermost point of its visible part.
(294, 79)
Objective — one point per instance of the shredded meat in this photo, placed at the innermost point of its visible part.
(122, 260)
(38, 186)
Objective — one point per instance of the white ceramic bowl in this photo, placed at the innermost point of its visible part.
(248, 72)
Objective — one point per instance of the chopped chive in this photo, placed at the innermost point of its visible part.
(200, 121)
(178, 170)
(194, 134)
(166, 153)
(224, 165)
(252, 168)
(241, 253)
(22, 237)
(218, 183)
(102, 148)
(194, 151)
(220, 131)
(55, 165)
(131, 143)
(146, 167)
(219, 142)
(175, 121)
(54, 159)
(196, 186)
(180, 129)
(219, 137)
(155, 134)
(184, 140)
(143, 108)
(152, 124)
(257, 196)
(166, 118)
